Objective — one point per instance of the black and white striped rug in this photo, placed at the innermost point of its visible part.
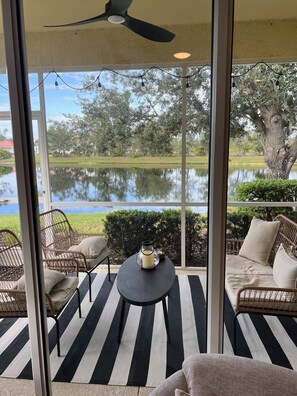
(90, 352)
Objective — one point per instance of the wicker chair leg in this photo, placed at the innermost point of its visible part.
(90, 287)
(108, 264)
(78, 300)
(234, 333)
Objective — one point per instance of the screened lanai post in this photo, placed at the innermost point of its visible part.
(184, 168)
(43, 148)
(221, 67)
(15, 51)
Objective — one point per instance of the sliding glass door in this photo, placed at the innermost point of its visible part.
(262, 178)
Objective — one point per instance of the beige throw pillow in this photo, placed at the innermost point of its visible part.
(91, 247)
(259, 240)
(285, 269)
(51, 278)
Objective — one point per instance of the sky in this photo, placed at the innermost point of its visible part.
(59, 99)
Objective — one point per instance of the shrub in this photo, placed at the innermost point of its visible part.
(238, 224)
(275, 190)
(127, 229)
(268, 190)
(4, 154)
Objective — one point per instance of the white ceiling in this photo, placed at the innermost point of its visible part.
(162, 12)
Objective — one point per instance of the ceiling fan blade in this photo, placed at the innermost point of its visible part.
(147, 30)
(101, 17)
(117, 6)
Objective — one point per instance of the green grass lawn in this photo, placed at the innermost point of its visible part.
(88, 223)
(143, 162)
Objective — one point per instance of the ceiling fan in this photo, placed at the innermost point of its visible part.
(116, 11)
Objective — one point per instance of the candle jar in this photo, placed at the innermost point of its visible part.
(147, 255)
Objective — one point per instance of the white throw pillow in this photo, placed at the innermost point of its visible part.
(51, 278)
(285, 269)
(91, 247)
(259, 240)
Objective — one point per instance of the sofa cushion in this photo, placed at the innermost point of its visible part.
(91, 247)
(239, 265)
(259, 240)
(285, 269)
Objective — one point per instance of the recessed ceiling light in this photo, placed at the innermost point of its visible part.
(182, 55)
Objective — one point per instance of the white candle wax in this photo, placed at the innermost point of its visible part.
(148, 259)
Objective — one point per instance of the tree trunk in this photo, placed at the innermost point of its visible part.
(278, 158)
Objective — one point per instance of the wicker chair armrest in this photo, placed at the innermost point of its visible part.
(12, 292)
(67, 265)
(268, 299)
(233, 245)
(60, 254)
(12, 301)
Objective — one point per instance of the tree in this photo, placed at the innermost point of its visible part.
(3, 134)
(60, 138)
(4, 154)
(133, 116)
(264, 100)
(108, 115)
(159, 100)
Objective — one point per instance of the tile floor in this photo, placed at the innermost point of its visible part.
(12, 387)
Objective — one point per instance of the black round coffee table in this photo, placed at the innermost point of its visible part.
(142, 287)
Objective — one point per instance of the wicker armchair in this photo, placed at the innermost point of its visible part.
(60, 245)
(257, 297)
(13, 303)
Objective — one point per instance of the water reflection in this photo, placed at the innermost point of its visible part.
(5, 188)
(127, 184)
(116, 184)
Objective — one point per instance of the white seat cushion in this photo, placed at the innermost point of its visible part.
(63, 291)
(235, 282)
(93, 262)
(241, 265)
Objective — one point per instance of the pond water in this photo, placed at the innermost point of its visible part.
(123, 185)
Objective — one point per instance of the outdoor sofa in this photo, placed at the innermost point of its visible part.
(261, 270)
